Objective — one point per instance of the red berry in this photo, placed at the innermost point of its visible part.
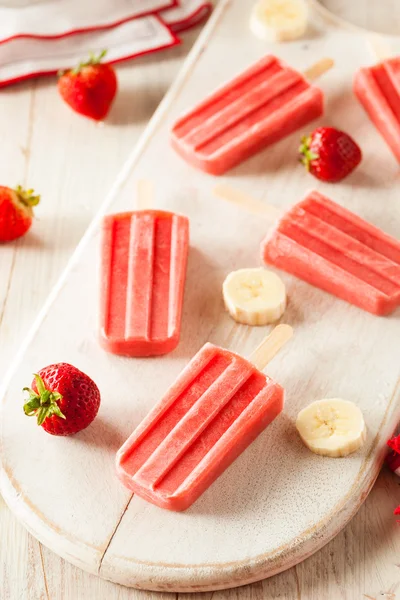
(16, 212)
(329, 154)
(394, 444)
(90, 88)
(63, 399)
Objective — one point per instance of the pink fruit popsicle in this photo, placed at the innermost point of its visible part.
(378, 90)
(332, 248)
(215, 409)
(143, 270)
(264, 104)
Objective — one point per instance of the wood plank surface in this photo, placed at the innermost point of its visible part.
(361, 562)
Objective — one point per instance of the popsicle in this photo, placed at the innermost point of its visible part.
(333, 249)
(143, 270)
(378, 90)
(214, 410)
(260, 106)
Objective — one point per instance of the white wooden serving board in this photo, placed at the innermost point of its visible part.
(279, 502)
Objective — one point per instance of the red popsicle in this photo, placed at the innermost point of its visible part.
(143, 270)
(257, 108)
(378, 90)
(214, 410)
(332, 248)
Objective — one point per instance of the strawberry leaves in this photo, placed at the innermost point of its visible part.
(307, 155)
(27, 197)
(92, 60)
(42, 404)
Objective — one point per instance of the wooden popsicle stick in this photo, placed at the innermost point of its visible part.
(318, 69)
(242, 199)
(145, 194)
(380, 47)
(270, 346)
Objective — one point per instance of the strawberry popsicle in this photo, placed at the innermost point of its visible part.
(215, 409)
(260, 106)
(332, 248)
(143, 270)
(378, 90)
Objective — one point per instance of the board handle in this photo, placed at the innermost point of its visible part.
(270, 346)
(244, 200)
(319, 68)
(145, 194)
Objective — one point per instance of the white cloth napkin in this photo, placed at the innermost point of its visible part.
(54, 18)
(49, 35)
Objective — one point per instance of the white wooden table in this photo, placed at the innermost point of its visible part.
(44, 145)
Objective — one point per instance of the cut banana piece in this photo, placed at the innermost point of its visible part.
(332, 427)
(279, 20)
(254, 296)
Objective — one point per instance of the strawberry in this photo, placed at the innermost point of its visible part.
(16, 212)
(89, 89)
(63, 399)
(393, 460)
(329, 154)
(394, 444)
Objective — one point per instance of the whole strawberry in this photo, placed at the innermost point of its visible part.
(16, 212)
(90, 88)
(329, 154)
(63, 399)
(393, 460)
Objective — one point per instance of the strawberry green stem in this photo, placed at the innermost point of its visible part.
(307, 156)
(27, 197)
(42, 404)
(92, 60)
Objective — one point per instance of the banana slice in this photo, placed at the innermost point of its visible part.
(279, 20)
(254, 296)
(332, 427)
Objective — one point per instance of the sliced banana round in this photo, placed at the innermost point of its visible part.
(279, 20)
(332, 427)
(254, 296)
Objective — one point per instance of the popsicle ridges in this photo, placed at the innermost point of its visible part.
(330, 247)
(378, 90)
(144, 256)
(190, 437)
(260, 106)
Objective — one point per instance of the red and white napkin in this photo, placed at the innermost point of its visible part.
(186, 14)
(39, 37)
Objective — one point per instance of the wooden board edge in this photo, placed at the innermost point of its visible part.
(72, 549)
(142, 575)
